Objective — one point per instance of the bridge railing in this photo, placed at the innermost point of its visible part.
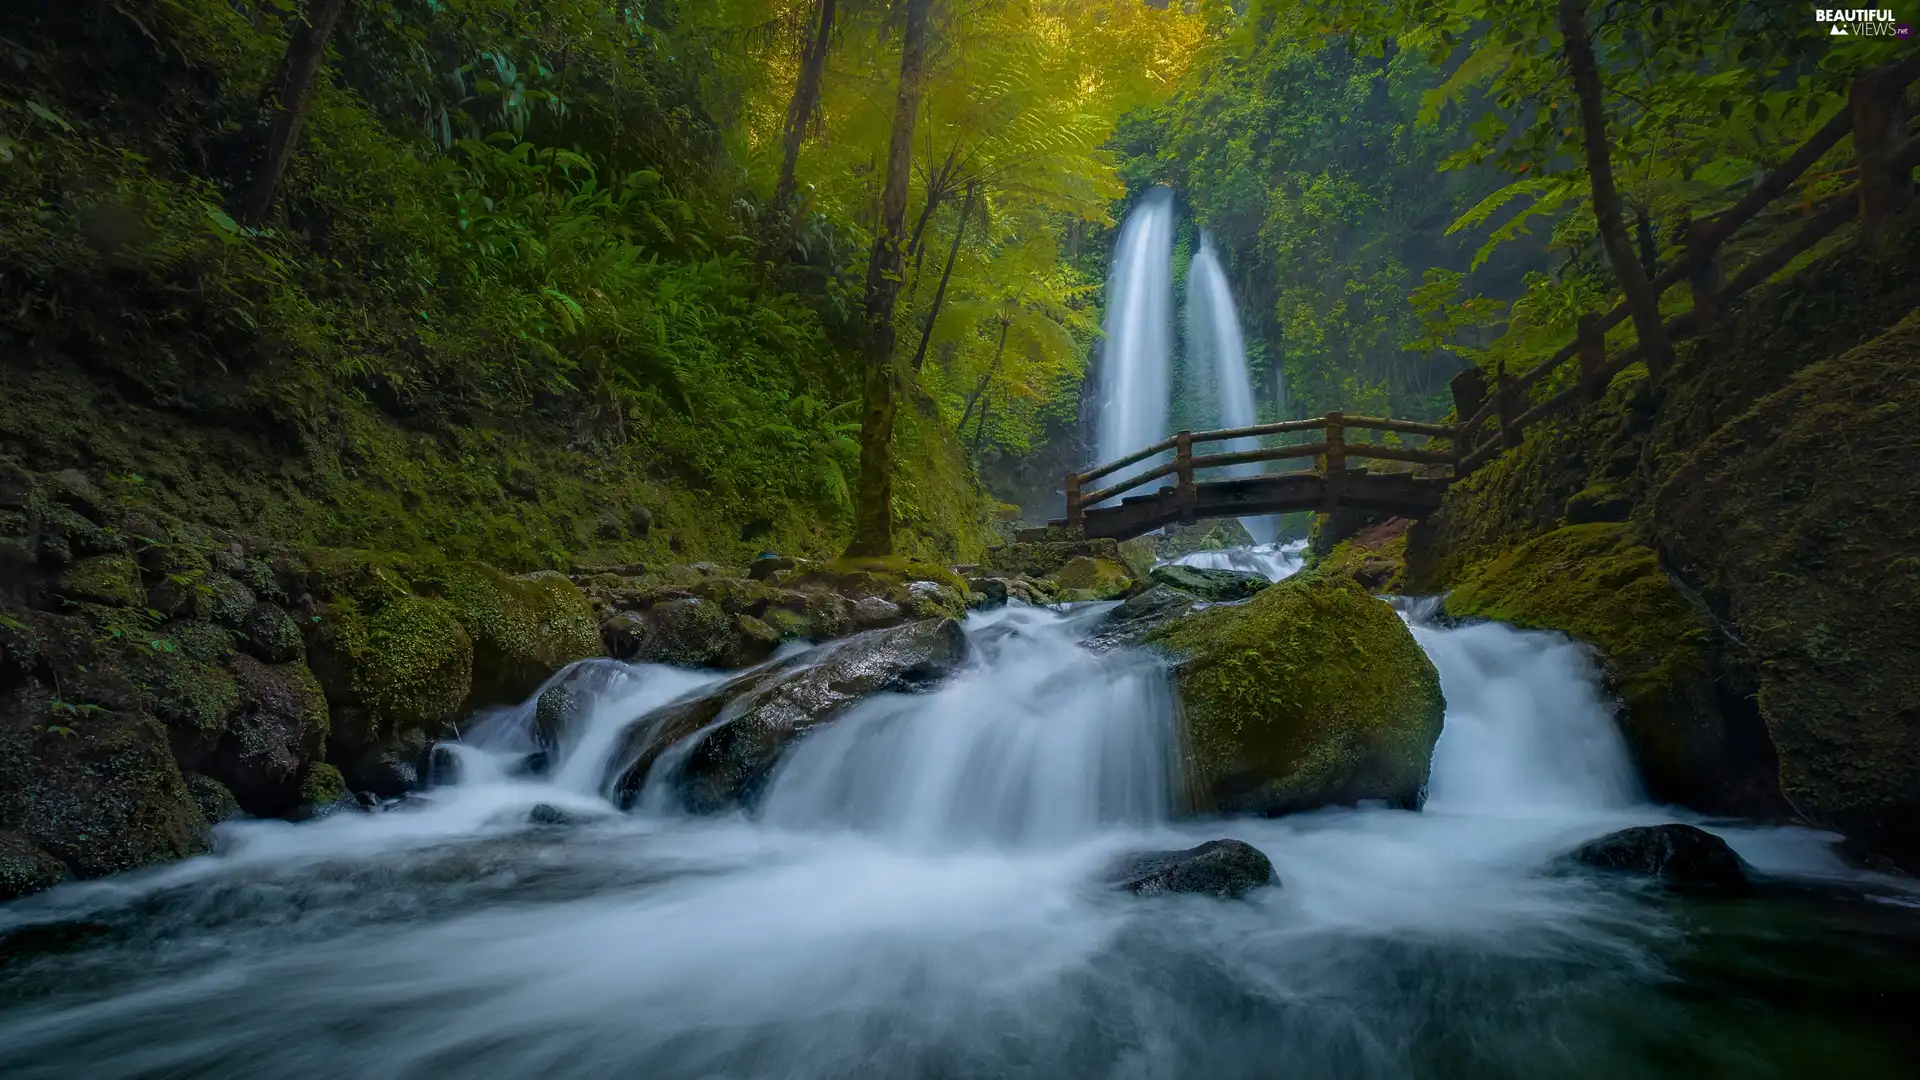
(1333, 446)
(1885, 159)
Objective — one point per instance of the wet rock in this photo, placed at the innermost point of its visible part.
(1227, 869)
(534, 764)
(871, 611)
(623, 632)
(523, 627)
(323, 793)
(753, 641)
(932, 600)
(768, 708)
(1140, 615)
(391, 676)
(26, 869)
(986, 593)
(1311, 694)
(271, 635)
(1677, 855)
(563, 705)
(225, 600)
(1214, 585)
(684, 633)
(551, 816)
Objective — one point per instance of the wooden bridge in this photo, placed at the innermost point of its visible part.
(1327, 486)
(1885, 156)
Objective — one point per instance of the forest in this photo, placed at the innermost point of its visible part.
(695, 538)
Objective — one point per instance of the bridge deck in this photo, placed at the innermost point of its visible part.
(1401, 494)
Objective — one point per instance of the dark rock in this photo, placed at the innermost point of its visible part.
(215, 801)
(562, 706)
(71, 488)
(608, 528)
(323, 793)
(271, 635)
(19, 653)
(684, 633)
(224, 600)
(279, 729)
(871, 611)
(766, 566)
(986, 593)
(1677, 855)
(389, 770)
(25, 869)
(534, 764)
(768, 708)
(552, 816)
(623, 632)
(1140, 615)
(753, 641)
(1227, 869)
(640, 520)
(1215, 585)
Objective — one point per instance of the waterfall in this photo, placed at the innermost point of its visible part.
(1213, 332)
(1135, 377)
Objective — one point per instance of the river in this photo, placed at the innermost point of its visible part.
(914, 899)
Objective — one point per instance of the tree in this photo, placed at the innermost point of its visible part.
(292, 96)
(873, 508)
(801, 110)
(1642, 301)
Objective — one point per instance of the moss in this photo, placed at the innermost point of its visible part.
(409, 664)
(322, 785)
(522, 628)
(24, 868)
(1216, 585)
(199, 640)
(104, 579)
(1086, 578)
(1599, 584)
(216, 803)
(900, 569)
(1139, 555)
(1309, 694)
(190, 695)
(1606, 501)
(224, 600)
(1380, 569)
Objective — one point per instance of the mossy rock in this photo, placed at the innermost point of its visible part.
(113, 580)
(100, 790)
(1216, 585)
(686, 633)
(523, 628)
(1084, 578)
(225, 600)
(404, 668)
(1311, 694)
(280, 728)
(192, 696)
(1378, 569)
(322, 785)
(1599, 584)
(216, 803)
(271, 635)
(26, 869)
(1606, 501)
(1044, 557)
(1139, 554)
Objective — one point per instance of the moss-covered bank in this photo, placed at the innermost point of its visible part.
(1312, 693)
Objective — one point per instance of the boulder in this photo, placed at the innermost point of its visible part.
(551, 816)
(1088, 578)
(1226, 869)
(1140, 615)
(215, 801)
(523, 627)
(103, 579)
(1040, 558)
(1139, 554)
(871, 611)
(25, 869)
(279, 729)
(768, 708)
(224, 600)
(1681, 856)
(1601, 584)
(1214, 585)
(323, 793)
(271, 635)
(392, 676)
(1311, 694)
(684, 633)
(986, 593)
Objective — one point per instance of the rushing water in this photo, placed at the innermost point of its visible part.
(1276, 561)
(1213, 332)
(1136, 366)
(914, 900)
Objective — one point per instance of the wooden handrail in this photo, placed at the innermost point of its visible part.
(1121, 463)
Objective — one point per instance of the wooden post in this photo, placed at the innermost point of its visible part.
(1879, 129)
(1704, 273)
(1183, 472)
(1076, 514)
(1593, 356)
(1506, 409)
(1469, 393)
(1334, 479)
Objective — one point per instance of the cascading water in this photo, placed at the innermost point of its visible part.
(914, 897)
(1274, 561)
(1213, 334)
(1137, 363)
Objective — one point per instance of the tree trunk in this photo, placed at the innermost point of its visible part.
(1642, 301)
(940, 294)
(873, 505)
(293, 94)
(980, 433)
(992, 370)
(806, 98)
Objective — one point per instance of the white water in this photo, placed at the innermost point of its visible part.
(913, 901)
(1136, 364)
(1276, 561)
(1213, 332)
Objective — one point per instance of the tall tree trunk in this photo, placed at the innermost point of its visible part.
(293, 96)
(1642, 302)
(873, 505)
(940, 294)
(806, 98)
(992, 370)
(980, 433)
